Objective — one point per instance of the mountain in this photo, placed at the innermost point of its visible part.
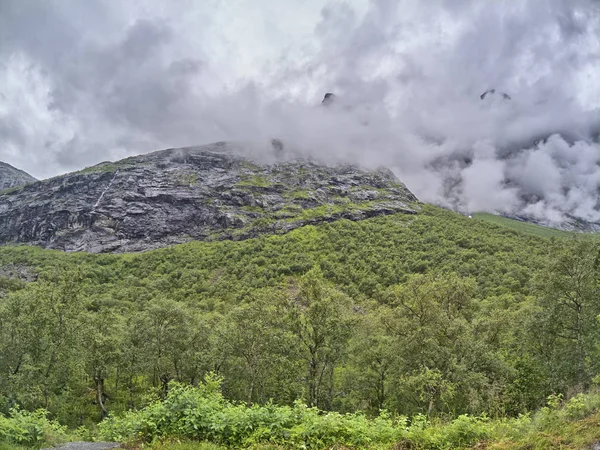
(196, 193)
(11, 177)
(430, 299)
(569, 223)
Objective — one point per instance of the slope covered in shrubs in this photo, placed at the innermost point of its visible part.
(433, 314)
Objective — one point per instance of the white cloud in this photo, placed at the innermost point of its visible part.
(82, 82)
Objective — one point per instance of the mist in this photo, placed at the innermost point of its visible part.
(85, 82)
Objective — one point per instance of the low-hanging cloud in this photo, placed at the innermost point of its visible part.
(83, 82)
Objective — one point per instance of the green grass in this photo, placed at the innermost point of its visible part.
(524, 227)
(574, 424)
(107, 166)
(255, 181)
(297, 195)
(9, 446)
(183, 445)
(12, 189)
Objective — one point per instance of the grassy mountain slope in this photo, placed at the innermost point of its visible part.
(526, 227)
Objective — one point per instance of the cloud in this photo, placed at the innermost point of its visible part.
(83, 82)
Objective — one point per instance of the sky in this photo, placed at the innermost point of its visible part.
(88, 81)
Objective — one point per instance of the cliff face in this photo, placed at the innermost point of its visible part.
(197, 193)
(11, 177)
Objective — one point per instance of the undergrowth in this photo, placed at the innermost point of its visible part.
(200, 418)
(30, 429)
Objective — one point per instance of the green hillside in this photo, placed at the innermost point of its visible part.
(525, 227)
(430, 315)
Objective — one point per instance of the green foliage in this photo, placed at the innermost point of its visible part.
(107, 166)
(570, 425)
(431, 314)
(320, 316)
(199, 417)
(186, 179)
(463, 432)
(30, 429)
(569, 303)
(202, 414)
(185, 445)
(255, 180)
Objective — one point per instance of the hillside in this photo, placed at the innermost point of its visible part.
(197, 193)
(431, 313)
(527, 227)
(207, 300)
(11, 177)
(358, 307)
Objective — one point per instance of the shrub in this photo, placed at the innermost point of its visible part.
(202, 414)
(31, 429)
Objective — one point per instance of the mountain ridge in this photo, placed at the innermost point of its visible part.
(193, 193)
(11, 177)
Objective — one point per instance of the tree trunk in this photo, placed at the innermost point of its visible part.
(381, 390)
(312, 381)
(580, 349)
(164, 381)
(99, 380)
(130, 386)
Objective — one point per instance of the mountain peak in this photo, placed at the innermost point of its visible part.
(11, 177)
(195, 193)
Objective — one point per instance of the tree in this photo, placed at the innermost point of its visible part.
(441, 362)
(43, 325)
(167, 328)
(262, 351)
(321, 318)
(103, 340)
(372, 356)
(569, 298)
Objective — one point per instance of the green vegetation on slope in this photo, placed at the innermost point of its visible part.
(524, 227)
(199, 418)
(201, 414)
(434, 314)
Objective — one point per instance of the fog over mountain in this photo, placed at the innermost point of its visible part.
(82, 82)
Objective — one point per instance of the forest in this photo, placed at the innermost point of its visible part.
(374, 332)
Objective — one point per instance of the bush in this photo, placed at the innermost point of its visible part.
(463, 432)
(202, 414)
(31, 429)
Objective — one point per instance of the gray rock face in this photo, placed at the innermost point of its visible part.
(11, 177)
(196, 193)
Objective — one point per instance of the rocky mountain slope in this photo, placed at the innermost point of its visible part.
(11, 177)
(197, 193)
